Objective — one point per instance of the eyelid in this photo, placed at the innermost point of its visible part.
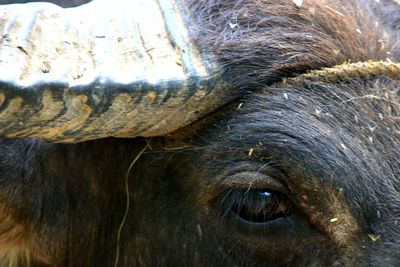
(252, 180)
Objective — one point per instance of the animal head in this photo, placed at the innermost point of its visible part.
(250, 133)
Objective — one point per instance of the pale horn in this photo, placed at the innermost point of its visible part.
(108, 68)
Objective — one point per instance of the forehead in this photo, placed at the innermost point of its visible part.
(326, 134)
(364, 113)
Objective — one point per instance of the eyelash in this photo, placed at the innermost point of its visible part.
(256, 206)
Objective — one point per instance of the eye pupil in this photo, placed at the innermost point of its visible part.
(258, 206)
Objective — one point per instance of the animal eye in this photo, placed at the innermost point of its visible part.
(260, 206)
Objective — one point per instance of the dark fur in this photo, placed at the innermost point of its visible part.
(335, 148)
(260, 42)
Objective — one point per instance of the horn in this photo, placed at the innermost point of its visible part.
(107, 68)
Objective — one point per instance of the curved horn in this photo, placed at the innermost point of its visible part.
(108, 68)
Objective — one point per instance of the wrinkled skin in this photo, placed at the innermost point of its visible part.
(332, 149)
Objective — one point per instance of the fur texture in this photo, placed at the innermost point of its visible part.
(332, 148)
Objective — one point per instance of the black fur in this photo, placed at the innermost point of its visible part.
(332, 148)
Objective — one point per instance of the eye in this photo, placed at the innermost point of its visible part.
(259, 206)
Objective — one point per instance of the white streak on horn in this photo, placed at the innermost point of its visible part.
(78, 45)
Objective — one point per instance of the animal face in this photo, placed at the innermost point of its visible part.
(289, 174)
(272, 183)
(315, 155)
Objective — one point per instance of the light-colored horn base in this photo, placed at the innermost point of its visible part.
(123, 41)
(108, 68)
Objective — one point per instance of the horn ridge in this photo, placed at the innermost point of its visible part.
(70, 76)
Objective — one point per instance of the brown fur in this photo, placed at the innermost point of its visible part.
(13, 237)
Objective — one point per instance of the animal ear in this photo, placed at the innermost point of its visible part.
(107, 68)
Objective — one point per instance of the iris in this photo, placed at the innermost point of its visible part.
(260, 206)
